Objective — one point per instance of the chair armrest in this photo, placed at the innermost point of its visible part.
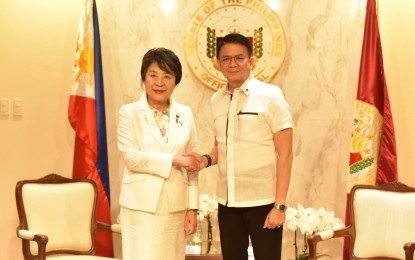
(313, 239)
(101, 226)
(409, 250)
(40, 239)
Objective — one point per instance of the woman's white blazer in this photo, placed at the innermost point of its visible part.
(148, 159)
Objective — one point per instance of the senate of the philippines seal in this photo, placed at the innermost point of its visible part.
(251, 18)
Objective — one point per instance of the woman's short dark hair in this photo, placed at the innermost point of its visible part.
(166, 59)
(234, 38)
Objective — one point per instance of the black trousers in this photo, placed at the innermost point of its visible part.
(236, 225)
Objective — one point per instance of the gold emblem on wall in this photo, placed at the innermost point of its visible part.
(252, 18)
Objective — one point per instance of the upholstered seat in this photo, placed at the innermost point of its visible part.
(381, 223)
(57, 218)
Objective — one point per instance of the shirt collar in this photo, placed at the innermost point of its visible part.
(245, 88)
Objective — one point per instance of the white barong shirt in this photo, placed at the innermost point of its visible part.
(244, 123)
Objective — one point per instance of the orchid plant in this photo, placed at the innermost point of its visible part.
(208, 207)
(309, 221)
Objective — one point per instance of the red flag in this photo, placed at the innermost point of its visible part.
(373, 157)
(86, 113)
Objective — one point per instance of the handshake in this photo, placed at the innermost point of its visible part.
(192, 162)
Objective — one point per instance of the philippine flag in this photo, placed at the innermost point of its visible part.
(86, 113)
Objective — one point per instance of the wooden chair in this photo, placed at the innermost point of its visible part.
(409, 250)
(57, 217)
(381, 223)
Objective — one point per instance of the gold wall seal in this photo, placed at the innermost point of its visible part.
(251, 18)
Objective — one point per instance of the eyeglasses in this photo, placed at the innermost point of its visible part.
(227, 59)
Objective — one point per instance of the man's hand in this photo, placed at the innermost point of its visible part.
(188, 162)
(200, 159)
(275, 219)
(192, 164)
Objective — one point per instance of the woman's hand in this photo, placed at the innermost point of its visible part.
(188, 162)
(193, 165)
(199, 159)
(190, 222)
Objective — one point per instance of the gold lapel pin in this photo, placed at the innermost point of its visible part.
(178, 119)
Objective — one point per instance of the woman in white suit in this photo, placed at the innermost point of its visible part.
(159, 192)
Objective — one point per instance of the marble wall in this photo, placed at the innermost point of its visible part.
(318, 76)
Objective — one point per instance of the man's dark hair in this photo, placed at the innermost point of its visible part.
(234, 38)
(166, 59)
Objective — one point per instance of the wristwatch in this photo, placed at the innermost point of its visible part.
(281, 207)
(209, 160)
